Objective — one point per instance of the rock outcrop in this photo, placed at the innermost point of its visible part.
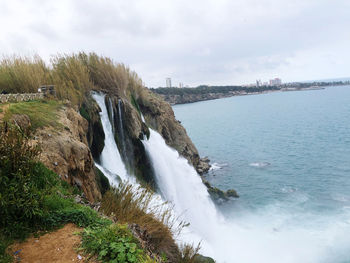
(95, 135)
(219, 195)
(65, 151)
(160, 116)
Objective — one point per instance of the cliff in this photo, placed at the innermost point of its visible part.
(67, 153)
(160, 116)
(125, 112)
(63, 143)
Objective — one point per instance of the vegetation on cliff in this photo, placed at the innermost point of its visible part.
(41, 113)
(67, 148)
(33, 198)
(74, 76)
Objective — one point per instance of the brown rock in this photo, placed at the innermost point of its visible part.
(66, 152)
(160, 116)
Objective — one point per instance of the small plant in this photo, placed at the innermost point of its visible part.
(189, 253)
(113, 244)
(134, 205)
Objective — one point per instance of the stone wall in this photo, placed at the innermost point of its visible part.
(20, 97)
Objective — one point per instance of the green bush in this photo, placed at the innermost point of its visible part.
(32, 197)
(113, 244)
(21, 187)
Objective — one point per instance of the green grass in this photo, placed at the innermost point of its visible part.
(32, 198)
(113, 243)
(41, 113)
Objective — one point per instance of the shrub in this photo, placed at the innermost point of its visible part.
(20, 189)
(134, 205)
(113, 243)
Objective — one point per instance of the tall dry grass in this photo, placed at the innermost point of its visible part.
(71, 78)
(74, 75)
(134, 205)
(23, 74)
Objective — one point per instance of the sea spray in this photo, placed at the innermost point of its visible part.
(179, 183)
(272, 234)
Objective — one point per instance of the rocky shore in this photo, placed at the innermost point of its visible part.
(174, 99)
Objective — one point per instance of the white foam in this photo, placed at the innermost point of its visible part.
(215, 166)
(259, 164)
(274, 234)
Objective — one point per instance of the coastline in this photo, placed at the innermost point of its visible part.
(174, 99)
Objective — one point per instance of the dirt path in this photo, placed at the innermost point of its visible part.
(54, 247)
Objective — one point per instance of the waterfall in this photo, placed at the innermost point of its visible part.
(180, 184)
(110, 156)
(259, 236)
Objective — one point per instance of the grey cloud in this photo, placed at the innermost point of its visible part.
(224, 42)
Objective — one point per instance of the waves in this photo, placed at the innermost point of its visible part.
(217, 166)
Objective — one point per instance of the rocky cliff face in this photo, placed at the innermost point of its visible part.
(66, 152)
(129, 130)
(160, 116)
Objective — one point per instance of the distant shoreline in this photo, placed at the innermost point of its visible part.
(177, 96)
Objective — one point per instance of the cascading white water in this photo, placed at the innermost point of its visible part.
(110, 156)
(263, 236)
(180, 184)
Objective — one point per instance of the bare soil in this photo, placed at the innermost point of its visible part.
(54, 247)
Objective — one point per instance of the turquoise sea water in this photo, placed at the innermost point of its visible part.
(286, 149)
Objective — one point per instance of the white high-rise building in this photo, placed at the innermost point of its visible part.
(181, 85)
(275, 82)
(168, 82)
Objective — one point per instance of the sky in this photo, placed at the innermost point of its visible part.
(213, 42)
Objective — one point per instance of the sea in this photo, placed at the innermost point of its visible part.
(287, 154)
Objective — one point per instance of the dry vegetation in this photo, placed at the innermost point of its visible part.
(132, 205)
(73, 75)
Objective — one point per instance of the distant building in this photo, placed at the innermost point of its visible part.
(168, 82)
(275, 82)
(258, 83)
(181, 85)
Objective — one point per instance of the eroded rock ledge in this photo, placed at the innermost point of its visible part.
(66, 152)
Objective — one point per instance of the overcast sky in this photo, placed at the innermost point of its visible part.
(194, 42)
